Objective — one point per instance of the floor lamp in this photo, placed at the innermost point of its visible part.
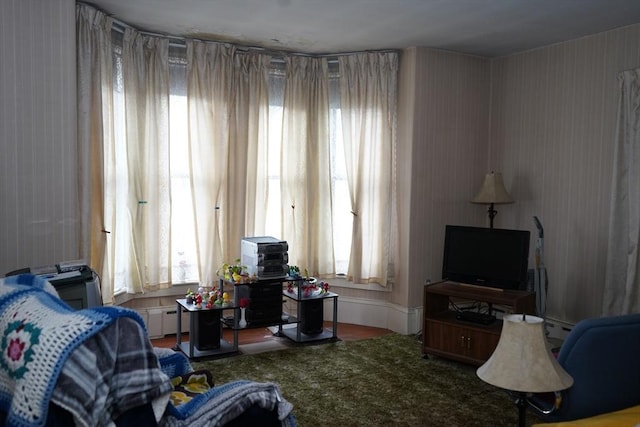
(522, 362)
(492, 193)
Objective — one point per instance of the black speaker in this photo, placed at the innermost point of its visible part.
(206, 333)
(265, 302)
(311, 315)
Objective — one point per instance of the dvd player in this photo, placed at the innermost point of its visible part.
(475, 317)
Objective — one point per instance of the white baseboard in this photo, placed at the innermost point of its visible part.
(161, 321)
(379, 314)
(557, 328)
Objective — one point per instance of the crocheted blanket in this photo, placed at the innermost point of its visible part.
(38, 332)
(223, 404)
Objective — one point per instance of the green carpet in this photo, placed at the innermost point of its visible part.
(380, 381)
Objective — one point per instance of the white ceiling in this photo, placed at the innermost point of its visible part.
(481, 27)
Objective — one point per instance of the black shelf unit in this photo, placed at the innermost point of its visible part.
(266, 299)
(200, 344)
(306, 329)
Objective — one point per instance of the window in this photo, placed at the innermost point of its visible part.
(183, 264)
(157, 186)
(342, 219)
(183, 243)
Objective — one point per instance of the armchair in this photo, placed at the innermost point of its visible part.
(97, 367)
(234, 404)
(601, 355)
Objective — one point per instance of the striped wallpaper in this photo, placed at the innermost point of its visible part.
(38, 212)
(553, 121)
(544, 118)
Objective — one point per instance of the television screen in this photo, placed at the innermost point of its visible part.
(491, 257)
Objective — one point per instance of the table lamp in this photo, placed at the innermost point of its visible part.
(492, 193)
(522, 362)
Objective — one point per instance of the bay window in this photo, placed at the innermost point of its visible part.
(205, 143)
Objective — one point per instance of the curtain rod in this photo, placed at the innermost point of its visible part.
(179, 41)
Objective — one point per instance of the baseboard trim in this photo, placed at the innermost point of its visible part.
(557, 328)
(379, 314)
(357, 311)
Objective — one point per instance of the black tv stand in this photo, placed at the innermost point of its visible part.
(476, 317)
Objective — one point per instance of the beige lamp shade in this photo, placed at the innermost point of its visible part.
(492, 190)
(521, 361)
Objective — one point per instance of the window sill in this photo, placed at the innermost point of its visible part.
(180, 289)
(341, 282)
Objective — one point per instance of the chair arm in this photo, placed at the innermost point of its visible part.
(541, 403)
(172, 363)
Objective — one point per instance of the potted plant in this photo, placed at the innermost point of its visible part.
(294, 271)
(233, 272)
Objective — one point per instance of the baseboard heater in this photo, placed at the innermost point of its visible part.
(162, 321)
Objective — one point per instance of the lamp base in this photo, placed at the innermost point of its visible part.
(521, 403)
(492, 214)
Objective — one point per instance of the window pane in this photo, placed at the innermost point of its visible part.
(342, 217)
(273, 226)
(184, 266)
(117, 179)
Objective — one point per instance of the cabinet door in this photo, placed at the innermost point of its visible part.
(458, 340)
(480, 344)
(446, 337)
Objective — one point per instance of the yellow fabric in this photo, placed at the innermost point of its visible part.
(190, 385)
(629, 417)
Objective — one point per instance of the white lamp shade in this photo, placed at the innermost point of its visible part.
(492, 190)
(521, 361)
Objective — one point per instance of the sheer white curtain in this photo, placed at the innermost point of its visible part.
(251, 124)
(145, 65)
(125, 202)
(305, 172)
(95, 125)
(228, 116)
(130, 179)
(622, 281)
(368, 89)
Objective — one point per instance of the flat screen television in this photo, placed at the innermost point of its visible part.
(492, 257)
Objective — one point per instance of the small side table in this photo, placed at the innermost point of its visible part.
(217, 346)
(298, 334)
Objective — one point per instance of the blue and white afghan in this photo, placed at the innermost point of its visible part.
(38, 332)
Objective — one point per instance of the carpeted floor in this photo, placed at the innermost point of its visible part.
(380, 381)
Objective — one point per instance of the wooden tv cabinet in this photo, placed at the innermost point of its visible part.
(445, 336)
